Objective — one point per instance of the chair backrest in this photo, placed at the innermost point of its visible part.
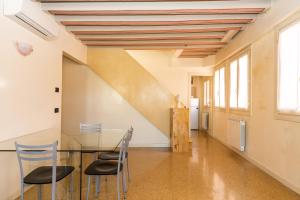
(124, 147)
(38, 153)
(86, 128)
(130, 131)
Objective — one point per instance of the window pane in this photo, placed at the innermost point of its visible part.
(233, 84)
(243, 83)
(288, 72)
(217, 96)
(222, 87)
(204, 93)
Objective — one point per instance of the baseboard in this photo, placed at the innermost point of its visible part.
(141, 144)
(263, 168)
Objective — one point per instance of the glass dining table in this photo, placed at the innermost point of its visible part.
(74, 148)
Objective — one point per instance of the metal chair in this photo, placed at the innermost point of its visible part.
(115, 154)
(108, 167)
(45, 174)
(91, 128)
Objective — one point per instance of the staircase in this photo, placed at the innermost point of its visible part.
(134, 83)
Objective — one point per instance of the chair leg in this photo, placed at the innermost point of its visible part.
(71, 185)
(88, 188)
(128, 169)
(118, 185)
(39, 192)
(22, 191)
(98, 185)
(124, 183)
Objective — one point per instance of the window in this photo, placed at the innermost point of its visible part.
(289, 69)
(206, 93)
(239, 83)
(220, 88)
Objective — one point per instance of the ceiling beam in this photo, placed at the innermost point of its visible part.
(170, 47)
(88, 6)
(201, 50)
(153, 17)
(64, 1)
(211, 27)
(158, 12)
(179, 35)
(197, 53)
(153, 45)
(212, 37)
(156, 23)
(166, 43)
(203, 56)
(107, 32)
(229, 35)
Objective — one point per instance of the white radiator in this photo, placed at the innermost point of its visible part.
(204, 120)
(237, 134)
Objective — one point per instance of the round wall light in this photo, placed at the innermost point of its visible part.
(24, 48)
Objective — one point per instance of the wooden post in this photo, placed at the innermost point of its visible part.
(180, 129)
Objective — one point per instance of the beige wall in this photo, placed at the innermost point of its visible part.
(27, 90)
(27, 83)
(134, 83)
(272, 144)
(88, 98)
(172, 72)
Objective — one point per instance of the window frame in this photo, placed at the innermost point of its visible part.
(236, 57)
(222, 66)
(292, 116)
(206, 100)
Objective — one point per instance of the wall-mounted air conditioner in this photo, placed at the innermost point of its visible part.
(30, 15)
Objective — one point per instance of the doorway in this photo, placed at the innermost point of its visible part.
(200, 103)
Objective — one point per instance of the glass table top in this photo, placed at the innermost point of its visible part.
(73, 140)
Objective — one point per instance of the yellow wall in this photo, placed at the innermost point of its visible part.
(172, 72)
(272, 144)
(87, 98)
(134, 83)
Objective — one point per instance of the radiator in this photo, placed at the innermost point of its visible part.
(237, 134)
(204, 120)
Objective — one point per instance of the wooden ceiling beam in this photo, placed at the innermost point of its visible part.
(151, 38)
(191, 50)
(178, 35)
(197, 53)
(156, 23)
(164, 5)
(152, 43)
(204, 30)
(78, 1)
(203, 56)
(158, 12)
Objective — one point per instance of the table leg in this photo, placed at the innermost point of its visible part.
(80, 177)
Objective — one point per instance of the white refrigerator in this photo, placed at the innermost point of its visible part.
(194, 113)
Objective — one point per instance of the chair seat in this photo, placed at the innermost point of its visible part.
(43, 175)
(111, 155)
(102, 167)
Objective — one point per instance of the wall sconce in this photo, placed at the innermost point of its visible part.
(24, 48)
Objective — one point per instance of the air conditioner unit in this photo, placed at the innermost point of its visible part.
(30, 15)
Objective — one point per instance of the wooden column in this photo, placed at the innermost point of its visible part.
(180, 129)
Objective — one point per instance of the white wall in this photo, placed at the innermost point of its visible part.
(87, 98)
(172, 72)
(27, 83)
(27, 90)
